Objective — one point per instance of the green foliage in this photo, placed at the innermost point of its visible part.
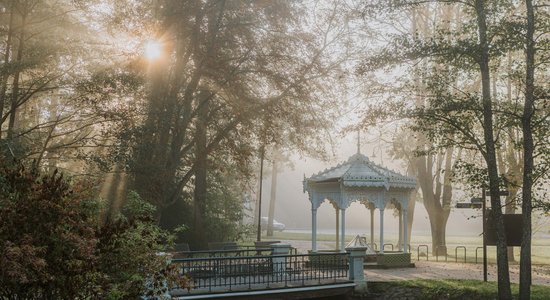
(137, 208)
(47, 244)
(129, 247)
(51, 244)
(223, 212)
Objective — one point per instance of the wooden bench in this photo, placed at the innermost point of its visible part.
(223, 246)
(264, 244)
(181, 247)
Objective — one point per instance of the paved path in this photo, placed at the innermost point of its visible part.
(435, 270)
(448, 270)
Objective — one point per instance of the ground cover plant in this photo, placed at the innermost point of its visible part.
(540, 252)
(447, 289)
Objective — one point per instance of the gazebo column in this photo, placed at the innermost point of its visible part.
(313, 229)
(382, 230)
(372, 228)
(405, 237)
(337, 227)
(343, 235)
(400, 238)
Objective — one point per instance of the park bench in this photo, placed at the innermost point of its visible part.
(214, 246)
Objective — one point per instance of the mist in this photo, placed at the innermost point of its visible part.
(294, 209)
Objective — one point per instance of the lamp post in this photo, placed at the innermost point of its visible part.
(259, 234)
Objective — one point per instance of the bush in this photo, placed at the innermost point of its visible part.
(47, 244)
(53, 247)
(128, 252)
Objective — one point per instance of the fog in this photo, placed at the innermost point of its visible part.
(294, 209)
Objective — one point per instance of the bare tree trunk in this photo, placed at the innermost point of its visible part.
(504, 291)
(528, 148)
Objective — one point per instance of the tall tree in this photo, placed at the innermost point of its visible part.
(528, 150)
(462, 111)
(260, 62)
(433, 169)
(483, 60)
(43, 115)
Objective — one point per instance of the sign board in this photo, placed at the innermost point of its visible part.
(476, 200)
(513, 226)
(468, 205)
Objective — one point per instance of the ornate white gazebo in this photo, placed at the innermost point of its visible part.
(359, 179)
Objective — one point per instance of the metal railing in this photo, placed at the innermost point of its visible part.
(384, 246)
(442, 251)
(437, 252)
(476, 252)
(229, 272)
(456, 253)
(418, 251)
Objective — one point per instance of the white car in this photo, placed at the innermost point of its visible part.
(276, 225)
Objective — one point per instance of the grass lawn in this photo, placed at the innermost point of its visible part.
(540, 249)
(449, 289)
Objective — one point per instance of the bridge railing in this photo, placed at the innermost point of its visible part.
(212, 273)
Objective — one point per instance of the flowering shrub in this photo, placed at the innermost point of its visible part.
(52, 245)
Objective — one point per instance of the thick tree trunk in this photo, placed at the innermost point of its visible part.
(528, 148)
(436, 196)
(438, 225)
(504, 291)
(200, 195)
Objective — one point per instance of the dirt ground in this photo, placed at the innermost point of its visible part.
(436, 270)
(451, 270)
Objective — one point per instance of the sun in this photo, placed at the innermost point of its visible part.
(152, 50)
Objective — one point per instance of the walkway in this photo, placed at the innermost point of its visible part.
(436, 270)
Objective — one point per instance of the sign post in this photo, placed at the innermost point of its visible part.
(488, 233)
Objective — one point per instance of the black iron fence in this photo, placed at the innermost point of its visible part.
(245, 271)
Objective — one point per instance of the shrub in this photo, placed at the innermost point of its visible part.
(53, 247)
(128, 251)
(47, 244)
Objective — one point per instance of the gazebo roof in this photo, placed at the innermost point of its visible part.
(359, 171)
